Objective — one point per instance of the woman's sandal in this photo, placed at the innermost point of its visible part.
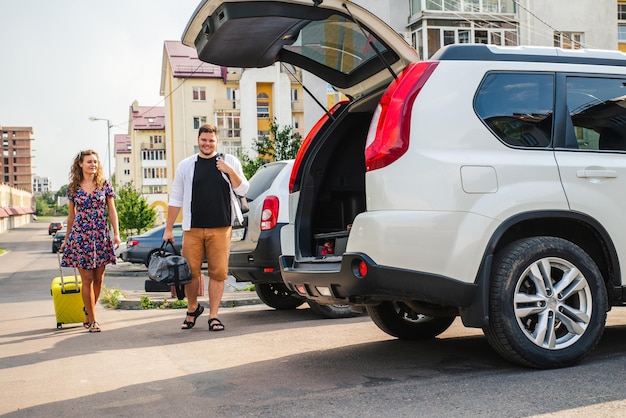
(94, 327)
(195, 314)
(86, 322)
(215, 325)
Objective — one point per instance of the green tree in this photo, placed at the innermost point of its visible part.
(282, 144)
(133, 211)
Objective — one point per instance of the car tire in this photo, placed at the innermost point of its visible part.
(277, 296)
(331, 311)
(548, 303)
(399, 320)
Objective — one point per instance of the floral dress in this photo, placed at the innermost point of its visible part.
(89, 243)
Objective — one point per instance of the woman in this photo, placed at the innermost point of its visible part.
(88, 245)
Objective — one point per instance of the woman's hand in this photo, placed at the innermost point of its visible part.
(116, 241)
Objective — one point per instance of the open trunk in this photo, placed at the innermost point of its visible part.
(332, 186)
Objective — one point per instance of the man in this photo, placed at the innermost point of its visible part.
(205, 187)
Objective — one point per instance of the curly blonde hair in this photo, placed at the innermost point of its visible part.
(76, 172)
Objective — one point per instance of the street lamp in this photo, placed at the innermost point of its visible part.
(93, 118)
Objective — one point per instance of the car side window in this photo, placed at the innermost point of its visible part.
(518, 107)
(597, 113)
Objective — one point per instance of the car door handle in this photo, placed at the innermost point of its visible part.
(596, 173)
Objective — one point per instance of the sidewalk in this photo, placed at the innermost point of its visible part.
(233, 294)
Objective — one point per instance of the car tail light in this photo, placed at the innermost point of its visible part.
(131, 243)
(388, 136)
(269, 215)
(307, 142)
(363, 268)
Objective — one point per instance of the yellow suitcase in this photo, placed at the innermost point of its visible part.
(67, 298)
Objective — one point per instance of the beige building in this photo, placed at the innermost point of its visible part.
(141, 156)
(241, 103)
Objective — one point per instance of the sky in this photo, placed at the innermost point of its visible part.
(63, 61)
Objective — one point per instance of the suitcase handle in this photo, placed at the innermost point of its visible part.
(76, 276)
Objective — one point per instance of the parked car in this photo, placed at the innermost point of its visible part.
(485, 183)
(57, 239)
(255, 245)
(54, 227)
(139, 248)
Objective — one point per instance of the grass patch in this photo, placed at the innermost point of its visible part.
(110, 298)
(147, 303)
(246, 289)
(2, 250)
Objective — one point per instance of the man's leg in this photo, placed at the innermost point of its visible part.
(193, 251)
(218, 250)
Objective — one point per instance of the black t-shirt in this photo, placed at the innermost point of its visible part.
(210, 196)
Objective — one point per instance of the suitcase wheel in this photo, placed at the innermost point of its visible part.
(59, 325)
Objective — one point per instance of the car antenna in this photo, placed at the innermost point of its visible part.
(371, 44)
(330, 115)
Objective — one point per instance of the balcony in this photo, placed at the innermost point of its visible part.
(226, 104)
(297, 106)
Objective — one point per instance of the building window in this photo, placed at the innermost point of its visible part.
(232, 93)
(568, 40)
(198, 94)
(126, 160)
(621, 11)
(198, 121)
(156, 139)
(262, 106)
(153, 155)
(621, 24)
(294, 95)
(127, 172)
(228, 124)
(154, 173)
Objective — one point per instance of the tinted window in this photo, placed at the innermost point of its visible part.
(597, 113)
(518, 107)
(263, 178)
(337, 43)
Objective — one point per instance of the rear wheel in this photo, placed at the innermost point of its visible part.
(147, 262)
(331, 311)
(399, 320)
(548, 303)
(277, 296)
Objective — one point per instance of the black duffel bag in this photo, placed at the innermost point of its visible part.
(169, 268)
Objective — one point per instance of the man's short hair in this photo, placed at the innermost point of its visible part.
(207, 127)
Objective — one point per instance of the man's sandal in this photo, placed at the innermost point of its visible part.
(195, 314)
(215, 325)
(94, 327)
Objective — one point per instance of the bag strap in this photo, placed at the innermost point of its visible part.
(164, 247)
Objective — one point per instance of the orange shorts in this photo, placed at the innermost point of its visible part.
(212, 243)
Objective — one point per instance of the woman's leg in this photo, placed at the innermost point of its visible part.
(98, 279)
(87, 277)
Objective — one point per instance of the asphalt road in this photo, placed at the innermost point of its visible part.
(267, 363)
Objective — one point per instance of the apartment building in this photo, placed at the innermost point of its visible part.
(141, 156)
(563, 23)
(41, 184)
(124, 166)
(16, 162)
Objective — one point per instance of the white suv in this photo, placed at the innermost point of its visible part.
(486, 183)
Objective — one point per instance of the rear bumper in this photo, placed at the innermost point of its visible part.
(344, 283)
(261, 264)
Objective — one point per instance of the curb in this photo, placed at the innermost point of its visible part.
(229, 300)
(226, 303)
